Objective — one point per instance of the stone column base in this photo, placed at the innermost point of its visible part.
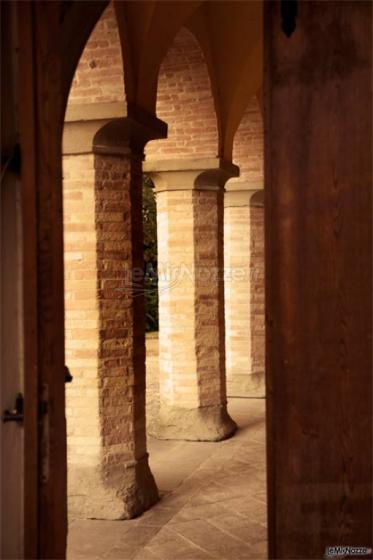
(209, 423)
(121, 492)
(246, 385)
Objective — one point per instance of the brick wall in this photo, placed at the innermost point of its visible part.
(185, 102)
(184, 98)
(99, 76)
(248, 146)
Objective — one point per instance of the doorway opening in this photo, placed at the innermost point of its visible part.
(201, 483)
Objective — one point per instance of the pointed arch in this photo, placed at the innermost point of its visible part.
(99, 76)
(248, 146)
(185, 101)
(77, 20)
(233, 51)
(147, 29)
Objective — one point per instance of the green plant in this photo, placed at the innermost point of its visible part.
(150, 255)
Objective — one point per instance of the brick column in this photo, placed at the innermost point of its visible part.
(109, 475)
(244, 290)
(191, 299)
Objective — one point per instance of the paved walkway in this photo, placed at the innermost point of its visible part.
(213, 501)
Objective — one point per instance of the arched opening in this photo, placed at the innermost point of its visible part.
(185, 102)
(98, 80)
(244, 250)
(181, 469)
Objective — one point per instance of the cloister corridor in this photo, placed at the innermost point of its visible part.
(165, 412)
(213, 501)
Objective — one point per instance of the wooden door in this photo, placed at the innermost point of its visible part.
(318, 187)
(41, 116)
(11, 380)
(51, 38)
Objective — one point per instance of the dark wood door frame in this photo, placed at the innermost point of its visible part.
(318, 190)
(309, 209)
(29, 220)
(49, 49)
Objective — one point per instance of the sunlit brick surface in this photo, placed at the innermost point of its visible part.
(244, 298)
(105, 352)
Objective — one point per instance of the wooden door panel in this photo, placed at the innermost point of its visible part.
(318, 277)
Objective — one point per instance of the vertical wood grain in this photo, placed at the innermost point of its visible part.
(30, 297)
(41, 120)
(318, 151)
(51, 40)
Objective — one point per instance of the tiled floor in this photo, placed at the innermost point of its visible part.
(213, 501)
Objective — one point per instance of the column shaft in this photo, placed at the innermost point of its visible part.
(244, 293)
(121, 366)
(191, 303)
(109, 475)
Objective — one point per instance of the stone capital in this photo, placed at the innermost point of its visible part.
(83, 112)
(242, 196)
(128, 135)
(111, 127)
(82, 121)
(190, 174)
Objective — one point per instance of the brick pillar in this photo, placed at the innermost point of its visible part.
(191, 299)
(257, 295)
(109, 475)
(244, 290)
